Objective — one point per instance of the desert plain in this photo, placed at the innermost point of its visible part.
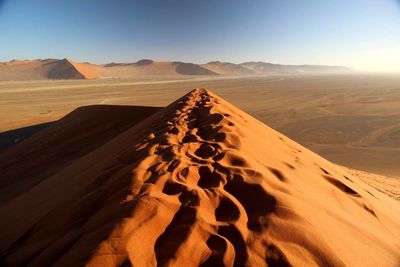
(350, 119)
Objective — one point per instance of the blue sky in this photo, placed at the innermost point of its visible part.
(363, 34)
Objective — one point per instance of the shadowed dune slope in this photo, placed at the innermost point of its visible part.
(47, 69)
(12, 137)
(227, 68)
(26, 69)
(201, 183)
(68, 69)
(192, 69)
(46, 152)
(148, 67)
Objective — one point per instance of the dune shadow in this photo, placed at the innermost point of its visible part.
(15, 136)
(46, 153)
(48, 148)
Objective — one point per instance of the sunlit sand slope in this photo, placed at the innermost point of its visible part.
(201, 182)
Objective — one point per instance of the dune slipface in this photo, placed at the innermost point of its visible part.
(68, 69)
(47, 69)
(201, 183)
(65, 141)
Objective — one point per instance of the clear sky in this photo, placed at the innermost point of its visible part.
(363, 34)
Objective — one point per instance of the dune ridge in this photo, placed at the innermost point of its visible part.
(201, 183)
(68, 69)
(47, 69)
(227, 68)
(149, 67)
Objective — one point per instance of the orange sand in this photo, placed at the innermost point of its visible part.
(47, 69)
(84, 70)
(68, 69)
(201, 182)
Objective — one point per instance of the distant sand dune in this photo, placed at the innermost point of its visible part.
(47, 69)
(68, 69)
(198, 183)
(227, 68)
(149, 67)
(263, 67)
(192, 69)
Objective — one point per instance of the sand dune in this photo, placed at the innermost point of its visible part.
(263, 67)
(47, 69)
(192, 69)
(227, 68)
(201, 182)
(150, 67)
(147, 67)
(343, 117)
(68, 69)
(128, 70)
(81, 131)
(26, 69)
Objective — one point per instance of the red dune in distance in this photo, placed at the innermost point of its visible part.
(68, 69)
(227, 68)
(197, 183)
(47, 69)
(148, 67)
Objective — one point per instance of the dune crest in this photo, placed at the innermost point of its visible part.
(68, 69)
(47, 69)
(201, 183)
(227, 68)
(146, 67)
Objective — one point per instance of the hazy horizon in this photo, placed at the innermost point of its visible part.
(359, 34)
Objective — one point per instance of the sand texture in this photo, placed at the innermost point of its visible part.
(201, 183)
(75, 135)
